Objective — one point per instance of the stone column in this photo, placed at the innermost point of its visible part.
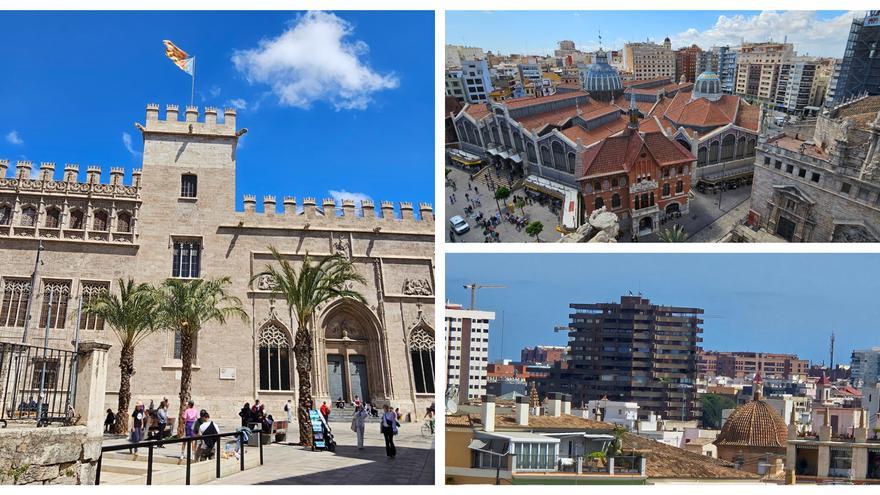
(91, 384)
(823, 461)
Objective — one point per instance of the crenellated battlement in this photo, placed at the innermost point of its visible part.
(193, 123)
(345, 209)
(22, 179)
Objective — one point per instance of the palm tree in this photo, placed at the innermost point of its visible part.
(675, 234)
(305, 289)
(131, 315)
(184, 307)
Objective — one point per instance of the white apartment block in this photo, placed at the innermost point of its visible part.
(758, 67)
(467, 345)
(865, 367)
(649, 60)
(455, 54)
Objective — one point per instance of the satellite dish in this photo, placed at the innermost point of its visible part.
(451, 399)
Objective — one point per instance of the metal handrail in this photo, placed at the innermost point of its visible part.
(152, 444)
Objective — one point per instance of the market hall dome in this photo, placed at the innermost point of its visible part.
(601, 80)
(707, 85)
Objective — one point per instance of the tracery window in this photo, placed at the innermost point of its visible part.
(28, 216)
(76, 219)
(101, 222)
(15, 299)
(421, 349)
(53, 218)
(123, 222)
(57, 294)
(5, 215)
(274, 358)
(90, 292)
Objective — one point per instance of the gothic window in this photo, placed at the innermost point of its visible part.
(571, 160)
(517, 141)
(274, 358)
(5, 215)
(558, 156)
(421, 349)
(531, 148)
(615, 201)
(53, 218)
(76, 219)
(495, 139)
(55, 297)
(101, 222)
(750, 148)
(702, 156)
(505, 134)
(741, 148)
(123, 222)
(28, 216)
(545, 156)
(462, 135)
(188, 185)
(727, 145)
(485, 133)
(90, 292)
(186, 259)
(713, 152)
(15, 299)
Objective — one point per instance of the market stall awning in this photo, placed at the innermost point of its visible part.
(568, 195)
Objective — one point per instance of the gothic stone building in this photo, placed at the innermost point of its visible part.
(177, 218)
(820, 182)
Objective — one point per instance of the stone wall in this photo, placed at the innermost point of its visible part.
(48, 456)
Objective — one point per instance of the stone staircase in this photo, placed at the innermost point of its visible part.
(122, 468)
(487, 177)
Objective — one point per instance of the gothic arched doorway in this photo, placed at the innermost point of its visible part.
(352, 350)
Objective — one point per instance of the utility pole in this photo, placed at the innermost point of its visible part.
(33, 291)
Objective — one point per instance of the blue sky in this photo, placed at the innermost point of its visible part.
(333, 102)
(820, 33)
(754, 302)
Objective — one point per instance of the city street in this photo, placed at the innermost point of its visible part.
(704, 211)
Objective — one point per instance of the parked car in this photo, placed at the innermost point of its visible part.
(459, 225)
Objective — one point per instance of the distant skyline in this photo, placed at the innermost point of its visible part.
(819, 33)
(781, 303)
(323, 94)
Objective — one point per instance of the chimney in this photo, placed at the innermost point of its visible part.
(369, 208)
(171, 113)
(387, 210)
(71, 172)
(23, 169)
(554, 404)
(522, 410)
(47, 171)
(289, 205)
(269, 205)
(860, 434)
(116, 175)
(566, 404)
(4, 166)
(487, 414)
(250, 203)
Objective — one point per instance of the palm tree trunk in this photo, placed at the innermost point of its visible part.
(302, 350)
(126, 369)
(186, 357)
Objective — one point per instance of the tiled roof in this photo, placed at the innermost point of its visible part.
(702, 112)
(529, 101)
(618, 153)
(452, 105)
(749, 116)
(799, 146)
(666, 461)
(588, 111)
(754, 424)
(565, 421)
(477, 110)
(459, 420)
(592, 136)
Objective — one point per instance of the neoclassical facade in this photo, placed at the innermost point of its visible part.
(176, 217)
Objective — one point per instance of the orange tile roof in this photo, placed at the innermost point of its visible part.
(754, 424)
(529, 101)
(565, 421)
(702, 112)
(749, 116)
(591, 136)
(477, 110)
(666, 461)
(793, 144)
(618, 153)
(589, 110)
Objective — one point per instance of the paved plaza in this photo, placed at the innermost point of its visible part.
(288, 464)
(705, 222)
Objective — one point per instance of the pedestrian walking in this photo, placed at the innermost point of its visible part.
(190, 416)
(288, 408)
(325, 411)
(109, 421)
(139, 418)
(358, 424)
(162, 420)
(388, 428)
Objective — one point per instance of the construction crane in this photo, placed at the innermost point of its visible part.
(473, 288)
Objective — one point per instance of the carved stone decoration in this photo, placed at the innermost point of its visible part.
(852, 233)
(607, 224)
(421, 339)
(417, 287)
(266, 282)
(344, 329)
(271, 335)
(342, 246)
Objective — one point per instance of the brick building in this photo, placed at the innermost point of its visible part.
(686, 63)
(747, 364)
(545, 354)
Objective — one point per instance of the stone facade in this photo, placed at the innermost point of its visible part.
(178, 218)
(48, 456)
(822, 184)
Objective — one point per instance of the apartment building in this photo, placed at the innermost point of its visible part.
(648, 60)
(747, 364)
(467, 344)
(757, 69)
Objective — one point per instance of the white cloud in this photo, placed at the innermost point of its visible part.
(13, 138)
(214, 91)
(315, 61)
(126, 140)
(237, 103)
(810, 35)
(338, 196)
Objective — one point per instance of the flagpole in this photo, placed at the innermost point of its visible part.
(192, 96)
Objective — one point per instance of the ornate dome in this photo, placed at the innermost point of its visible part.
(707, 85)
(754, 424)
(600, 79)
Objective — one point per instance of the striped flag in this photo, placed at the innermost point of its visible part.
(180, 58)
